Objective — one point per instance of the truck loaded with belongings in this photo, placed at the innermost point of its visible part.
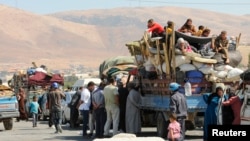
(161, 62)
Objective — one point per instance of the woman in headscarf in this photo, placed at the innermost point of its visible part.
(188, 27)
(186, 48)
(21, 103)
(213, 110)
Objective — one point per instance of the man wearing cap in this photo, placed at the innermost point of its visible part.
(54, 98)
(178, 106)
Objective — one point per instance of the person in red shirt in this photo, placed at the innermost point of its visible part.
(155, 28)
(235, 102)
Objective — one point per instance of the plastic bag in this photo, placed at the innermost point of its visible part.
(234, 72)
(220, 74)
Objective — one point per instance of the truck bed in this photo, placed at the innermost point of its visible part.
(161, 103)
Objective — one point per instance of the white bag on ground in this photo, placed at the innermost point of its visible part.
(220, 74)
(187, 67)
(234, 72)
(181, 59)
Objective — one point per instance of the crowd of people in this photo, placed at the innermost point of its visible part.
(219, 44)
(119, 104)
(111, 103)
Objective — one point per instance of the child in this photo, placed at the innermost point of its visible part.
(34, 107)
(201, 28)
(174, 128)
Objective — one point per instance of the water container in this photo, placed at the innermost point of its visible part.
(188, 89)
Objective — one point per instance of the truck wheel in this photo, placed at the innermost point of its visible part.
(8, 124)
(162, 126)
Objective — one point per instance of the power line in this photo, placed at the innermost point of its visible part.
(194, 3)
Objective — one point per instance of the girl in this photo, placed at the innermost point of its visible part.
(174, 128)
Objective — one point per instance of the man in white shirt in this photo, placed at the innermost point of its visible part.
(85, 104)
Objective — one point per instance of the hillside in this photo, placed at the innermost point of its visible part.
(88, 37)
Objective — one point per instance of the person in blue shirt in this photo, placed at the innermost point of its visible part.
(34, 107)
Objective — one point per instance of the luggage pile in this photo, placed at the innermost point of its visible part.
(116, 65)
(211, 65)
(5, 91)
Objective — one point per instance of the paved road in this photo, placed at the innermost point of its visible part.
(23, 131)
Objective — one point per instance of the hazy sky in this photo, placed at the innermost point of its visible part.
(237, 7)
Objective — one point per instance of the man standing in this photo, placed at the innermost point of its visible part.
(99, 110)
(91, 113)
(123, 94)
(178, 106)
(74, 113)
(112, 107)
(55, 97)
(85, 104)
(133, 116)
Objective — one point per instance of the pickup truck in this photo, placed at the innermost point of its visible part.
(8, 107)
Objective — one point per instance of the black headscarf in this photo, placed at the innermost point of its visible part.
(210, 97)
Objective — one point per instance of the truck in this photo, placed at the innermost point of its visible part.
(8, 107)
(35, 81)
(156, 61)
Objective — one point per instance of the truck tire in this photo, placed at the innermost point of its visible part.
(162, 126)
(8, 124)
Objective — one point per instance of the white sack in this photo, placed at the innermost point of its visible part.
(198, 65)
(223, 68)
(187, 67)
(181, 59)
(220, 74)
(41, 70)
(207, 69)
(148, 65)
(234, 72)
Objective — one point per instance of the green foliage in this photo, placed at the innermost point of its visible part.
(69, 81)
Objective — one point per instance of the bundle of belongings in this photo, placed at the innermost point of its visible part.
(116, 66)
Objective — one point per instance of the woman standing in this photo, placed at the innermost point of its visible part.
(213, 109)
(133, 118)
(21, 103)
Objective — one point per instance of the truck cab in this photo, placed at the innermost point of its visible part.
(8, 107)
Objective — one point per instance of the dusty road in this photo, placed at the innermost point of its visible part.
(23, 131)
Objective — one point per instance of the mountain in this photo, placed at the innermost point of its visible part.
(88, 37)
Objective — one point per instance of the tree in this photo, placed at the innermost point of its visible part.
(69, 81)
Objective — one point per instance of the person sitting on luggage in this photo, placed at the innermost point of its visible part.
(221, 44)
(185, 48)
(205, 32)
(155, 29)
(188, 28)
(200, 31)
(169, 27)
